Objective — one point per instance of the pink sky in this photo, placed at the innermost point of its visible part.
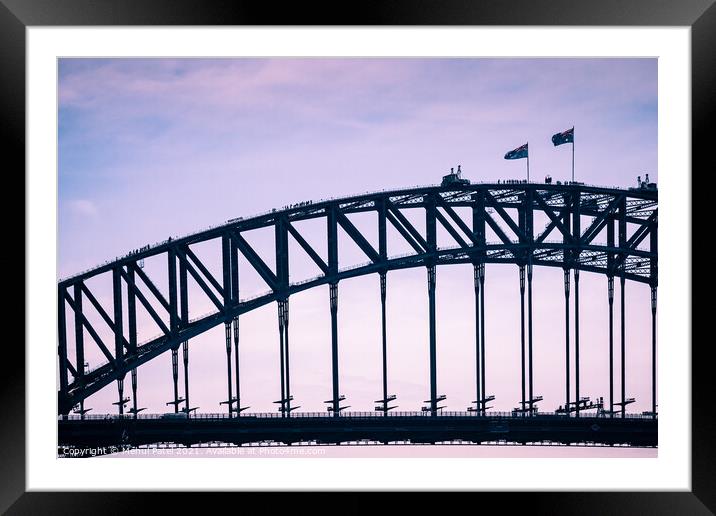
(152, 148)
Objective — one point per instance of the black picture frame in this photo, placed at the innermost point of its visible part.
(700, 15)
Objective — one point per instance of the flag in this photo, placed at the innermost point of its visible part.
(519, 152)
(565, 137)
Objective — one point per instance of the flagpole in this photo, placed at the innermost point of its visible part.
(573, 154)
(528, 162)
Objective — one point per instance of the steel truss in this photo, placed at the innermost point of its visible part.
(626, 219)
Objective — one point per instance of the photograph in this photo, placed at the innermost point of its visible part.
(357, 257)
(414, 248)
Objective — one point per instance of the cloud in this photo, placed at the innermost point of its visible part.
(82, 207)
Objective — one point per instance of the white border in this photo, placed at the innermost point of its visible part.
(671, 470)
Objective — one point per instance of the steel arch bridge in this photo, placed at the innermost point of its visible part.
(619, 241)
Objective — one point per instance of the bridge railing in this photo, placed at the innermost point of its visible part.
(325, 415)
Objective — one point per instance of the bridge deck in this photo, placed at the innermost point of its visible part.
(416, 428)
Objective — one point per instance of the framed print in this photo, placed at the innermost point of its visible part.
(457, 206)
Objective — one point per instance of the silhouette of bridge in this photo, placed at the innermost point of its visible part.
(623, 220)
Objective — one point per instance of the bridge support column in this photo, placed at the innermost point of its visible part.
(653, 351)
(184, 299)
(175, 378)
(478, 384)
(134, 392)
(285, 401)
(433, 347)
(288, 368)
(529, 335)
(622, 280)
(236, 365)
(610, 290)
(185, 356)
(383, 295)
(483, 404)
(282, 400)
(523, 404)
(79, 339)
(120, 389)
(333, 289)
(566, 341)
(576, 340)
(229, 400)
(62, 345)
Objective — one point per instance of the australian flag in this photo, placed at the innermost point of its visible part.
(519, 152)
(565, 137)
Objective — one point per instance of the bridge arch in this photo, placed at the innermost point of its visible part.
(626, 220)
